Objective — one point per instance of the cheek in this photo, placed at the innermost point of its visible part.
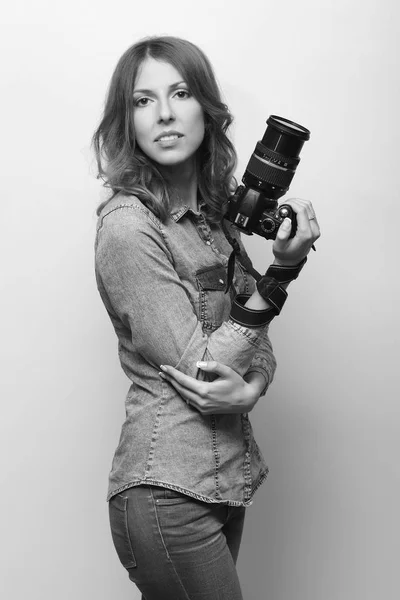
(140, 129)
(199, 124)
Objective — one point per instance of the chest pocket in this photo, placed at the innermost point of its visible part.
(214, 304)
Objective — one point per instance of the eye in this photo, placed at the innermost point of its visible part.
(142, 101)
(181, 94)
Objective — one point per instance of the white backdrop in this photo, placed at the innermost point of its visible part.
(326, 522)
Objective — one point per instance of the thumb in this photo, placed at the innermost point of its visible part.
(284, 230)
(212, 365)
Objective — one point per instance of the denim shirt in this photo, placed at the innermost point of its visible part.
(163, 286)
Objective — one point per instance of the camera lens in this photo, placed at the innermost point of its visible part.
(284, 137)
(274, 161)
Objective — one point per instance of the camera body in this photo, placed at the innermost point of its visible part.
(254, 206)
(252, 213)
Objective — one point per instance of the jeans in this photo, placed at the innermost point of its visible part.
(175, 547)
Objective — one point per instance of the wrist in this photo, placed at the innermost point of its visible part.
(284, 273)
(286, 263)
(283, 263)
(272, 291)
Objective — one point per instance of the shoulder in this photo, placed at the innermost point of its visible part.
(125, 224)
(125, 211)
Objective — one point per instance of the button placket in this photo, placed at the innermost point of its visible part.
(206, 235)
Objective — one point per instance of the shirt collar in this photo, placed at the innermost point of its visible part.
(178, 213)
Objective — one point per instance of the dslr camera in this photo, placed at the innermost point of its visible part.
(254, 208)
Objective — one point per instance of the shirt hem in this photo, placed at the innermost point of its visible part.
(181, 490)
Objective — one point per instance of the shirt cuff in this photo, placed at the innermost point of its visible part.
(266, 377)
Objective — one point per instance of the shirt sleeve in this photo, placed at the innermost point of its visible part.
(142, 288)
(264, 361)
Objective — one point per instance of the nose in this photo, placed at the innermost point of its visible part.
(165, 114)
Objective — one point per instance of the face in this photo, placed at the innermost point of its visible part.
(168, 120)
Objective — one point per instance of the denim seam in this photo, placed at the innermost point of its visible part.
(128, 534)
(157, 482)
(165, 547)
(154, 434)
(261, 480)
(249, 336)
(216, 454)
(142, 209)
(247, 457)
(203, 305)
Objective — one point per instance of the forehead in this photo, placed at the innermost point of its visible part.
(154, 73)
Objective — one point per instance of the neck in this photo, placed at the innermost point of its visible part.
(182, 182)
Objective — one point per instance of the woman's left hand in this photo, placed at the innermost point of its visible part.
(228, 394)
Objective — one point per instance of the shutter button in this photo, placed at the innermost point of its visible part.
(208, 242)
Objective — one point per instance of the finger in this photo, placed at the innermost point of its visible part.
(314, 226)
(304, 203)
(189, 397)
(214, 367)
(313, 222)
(187, 383)
(284, 230)
(305, 211)
(302, 217)
(316, 231)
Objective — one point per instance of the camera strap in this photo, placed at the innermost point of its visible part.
(244, 260)
(279, 274)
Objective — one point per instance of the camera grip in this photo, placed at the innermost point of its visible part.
(286, 211)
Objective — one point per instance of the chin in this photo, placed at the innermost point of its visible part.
(172, 161)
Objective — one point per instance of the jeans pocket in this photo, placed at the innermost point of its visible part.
(167, 497)
(118, 513)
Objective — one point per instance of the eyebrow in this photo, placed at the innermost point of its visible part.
(171, 87)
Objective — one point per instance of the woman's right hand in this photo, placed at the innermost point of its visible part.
(291, 251)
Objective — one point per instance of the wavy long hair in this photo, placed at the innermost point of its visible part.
(123, 166)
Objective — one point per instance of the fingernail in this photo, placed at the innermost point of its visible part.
(201, 364)
(287, 223)
(163, 367)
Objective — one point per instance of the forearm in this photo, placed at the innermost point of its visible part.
(257, 302)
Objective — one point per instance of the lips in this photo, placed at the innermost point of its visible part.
(167, 135)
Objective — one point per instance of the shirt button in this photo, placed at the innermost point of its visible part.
(221, 281)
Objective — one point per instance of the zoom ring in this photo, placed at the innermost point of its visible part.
(269, 174)
(291, 161)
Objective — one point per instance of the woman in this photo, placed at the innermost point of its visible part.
(187, 464)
